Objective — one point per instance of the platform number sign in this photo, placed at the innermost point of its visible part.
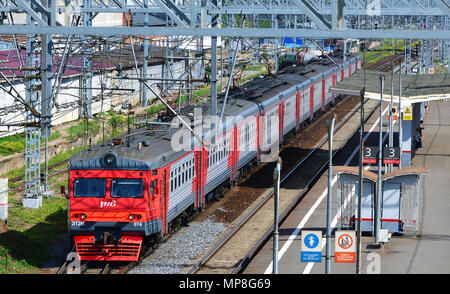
(370, 154)
(391, 155)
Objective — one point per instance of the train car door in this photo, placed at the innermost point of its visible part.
(323, 94)
(163, 192)
(204, 173)
(235, 150)
(297, 110)
(258, 142)
(281, 111)
(198, 178)
(334, 84)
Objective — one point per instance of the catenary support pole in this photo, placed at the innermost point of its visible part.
(361, 150)
(379, 193)
(391, 120)
(214, 76)
(330, 187)
(276, 182)
(400, 119)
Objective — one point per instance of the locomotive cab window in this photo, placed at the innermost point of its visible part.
(127, 188)
(89, 188)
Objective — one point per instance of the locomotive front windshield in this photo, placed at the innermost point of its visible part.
(89, 188)
(127, 188)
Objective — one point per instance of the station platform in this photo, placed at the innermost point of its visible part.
(426, 253)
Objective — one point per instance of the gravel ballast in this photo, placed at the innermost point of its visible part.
(179, 252)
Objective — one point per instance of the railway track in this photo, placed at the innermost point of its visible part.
(89, 267)
(385, 64)
(213, 260)
(19, 181)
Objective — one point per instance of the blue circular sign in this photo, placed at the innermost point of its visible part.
(311, 241)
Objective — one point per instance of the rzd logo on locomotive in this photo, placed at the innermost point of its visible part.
(111, 203)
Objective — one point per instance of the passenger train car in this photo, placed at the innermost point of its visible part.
(136, 187)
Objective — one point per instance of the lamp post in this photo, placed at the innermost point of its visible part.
(276, 182)
(330, 186)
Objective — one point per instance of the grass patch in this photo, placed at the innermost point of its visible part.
(384, 50)
(78, 130)
(30, 235)
(253, 68)
(32, 231)
(16, 143)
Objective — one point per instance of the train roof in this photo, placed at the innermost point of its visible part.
(152, 147)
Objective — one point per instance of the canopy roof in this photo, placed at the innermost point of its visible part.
(354, 170)
(415, 88)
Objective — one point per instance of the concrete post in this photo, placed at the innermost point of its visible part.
(3, 199)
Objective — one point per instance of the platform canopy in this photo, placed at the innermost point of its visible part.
(354, 170)
(415, 88)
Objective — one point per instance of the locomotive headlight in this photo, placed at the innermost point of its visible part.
(109, 159)
(131, 217)
(83, 216)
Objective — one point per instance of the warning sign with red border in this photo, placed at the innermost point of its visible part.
(345, 249)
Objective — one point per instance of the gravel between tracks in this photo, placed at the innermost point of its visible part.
(182, 249)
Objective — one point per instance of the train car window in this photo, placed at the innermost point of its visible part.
(89, 188)
(127, 188)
